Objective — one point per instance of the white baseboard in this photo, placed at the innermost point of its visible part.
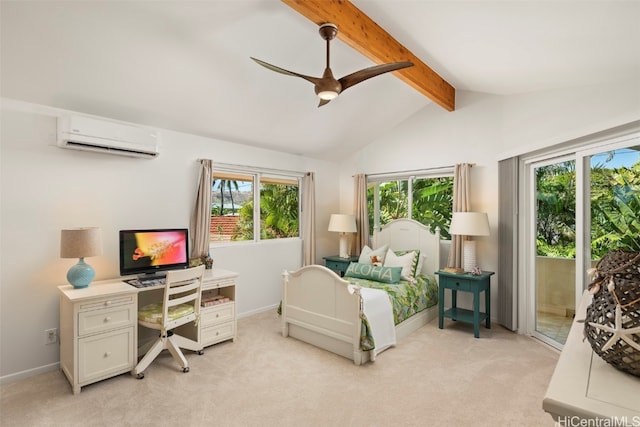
(29, 373)
(54, 366)
(258, 311)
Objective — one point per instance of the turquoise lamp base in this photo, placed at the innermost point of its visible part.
(81, 274)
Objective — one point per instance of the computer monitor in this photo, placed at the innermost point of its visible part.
(146, 252)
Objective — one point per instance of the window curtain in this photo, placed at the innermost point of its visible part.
(361, 238)
(201, 215)
(508, 242)
(461, 203)
(308, 207)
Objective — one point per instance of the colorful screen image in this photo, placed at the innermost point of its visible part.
(151, 250)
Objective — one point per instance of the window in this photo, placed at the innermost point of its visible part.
(240, 213)
(426, 199)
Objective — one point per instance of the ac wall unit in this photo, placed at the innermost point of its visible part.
(85, 133)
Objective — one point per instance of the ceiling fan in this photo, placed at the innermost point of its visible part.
(327, 87)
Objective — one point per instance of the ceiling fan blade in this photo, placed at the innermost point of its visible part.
(313, 80)
(323, 102)
(367, 73)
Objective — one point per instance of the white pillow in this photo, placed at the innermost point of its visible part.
(367, 253)
(405, 261)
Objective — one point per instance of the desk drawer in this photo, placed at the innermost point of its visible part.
(217, 314)
(91, 322)
(104, 355)
(107, 302)
(217, 333)
(218, 284)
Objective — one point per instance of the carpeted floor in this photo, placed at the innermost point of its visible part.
(431, 378)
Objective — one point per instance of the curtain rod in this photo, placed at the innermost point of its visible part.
(414, 171)
(255, 168)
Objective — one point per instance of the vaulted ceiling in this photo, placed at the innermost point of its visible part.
(184, 65)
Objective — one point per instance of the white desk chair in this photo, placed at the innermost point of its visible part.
(181, 305)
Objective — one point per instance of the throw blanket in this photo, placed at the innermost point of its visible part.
(376, 307)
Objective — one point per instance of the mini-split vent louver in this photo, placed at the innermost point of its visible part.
(103, 136)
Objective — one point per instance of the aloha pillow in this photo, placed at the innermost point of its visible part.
(367, 253)
(373, 272)
(405, 261)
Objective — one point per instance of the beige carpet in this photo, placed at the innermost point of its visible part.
(432, 378)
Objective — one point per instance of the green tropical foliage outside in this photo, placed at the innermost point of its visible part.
(278, 213)
(615, 210)
(432, 202)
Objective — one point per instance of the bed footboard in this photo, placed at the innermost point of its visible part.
(320, 308)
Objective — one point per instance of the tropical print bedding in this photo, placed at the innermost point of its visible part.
(407, 299)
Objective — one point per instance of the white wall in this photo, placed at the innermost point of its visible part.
(485, 129)
(45, 189)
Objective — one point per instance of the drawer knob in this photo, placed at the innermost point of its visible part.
(107, 303)
(107, 319)
(217, 333)
(107, 354)
(217, 314)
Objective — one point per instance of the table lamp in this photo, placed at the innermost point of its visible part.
(80, 243)
(469, 224)
(343, 224)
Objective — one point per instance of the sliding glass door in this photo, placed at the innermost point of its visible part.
(554, 268)
(580, 205)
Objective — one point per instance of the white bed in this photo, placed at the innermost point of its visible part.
(318, 308)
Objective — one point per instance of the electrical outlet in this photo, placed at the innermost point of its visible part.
(50, 336)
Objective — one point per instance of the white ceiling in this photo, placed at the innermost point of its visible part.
(184, 65)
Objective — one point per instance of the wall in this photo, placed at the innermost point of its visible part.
(45, 189)
(485, 129)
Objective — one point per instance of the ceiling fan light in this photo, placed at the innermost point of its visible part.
(327, 95)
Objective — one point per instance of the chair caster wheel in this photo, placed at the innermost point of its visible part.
(140, 376)
(185, 370)
(200, 352)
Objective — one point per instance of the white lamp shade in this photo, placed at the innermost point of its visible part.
(469, 224)
(80, 242)
(342, 223)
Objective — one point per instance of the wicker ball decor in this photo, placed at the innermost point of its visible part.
(612, 325)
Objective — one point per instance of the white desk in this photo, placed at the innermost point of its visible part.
(99, 337)
(585, 386)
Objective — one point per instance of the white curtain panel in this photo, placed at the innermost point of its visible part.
(201, 215)
(361, 238)
(308, 219)
(461, 203)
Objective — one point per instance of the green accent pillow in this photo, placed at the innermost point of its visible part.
(406, 261)
(416, 261)
(373, 272)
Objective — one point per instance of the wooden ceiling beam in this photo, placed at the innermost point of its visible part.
(363, 34)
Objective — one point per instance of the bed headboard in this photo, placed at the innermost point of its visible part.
(406, 234)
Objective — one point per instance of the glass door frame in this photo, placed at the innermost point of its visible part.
(527, 223)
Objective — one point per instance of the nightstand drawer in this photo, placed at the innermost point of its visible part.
(455, 284)
(337, 265)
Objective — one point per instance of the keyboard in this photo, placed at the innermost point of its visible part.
(145, 283)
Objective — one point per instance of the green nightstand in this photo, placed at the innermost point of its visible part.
(465, 282)
(339, 265)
